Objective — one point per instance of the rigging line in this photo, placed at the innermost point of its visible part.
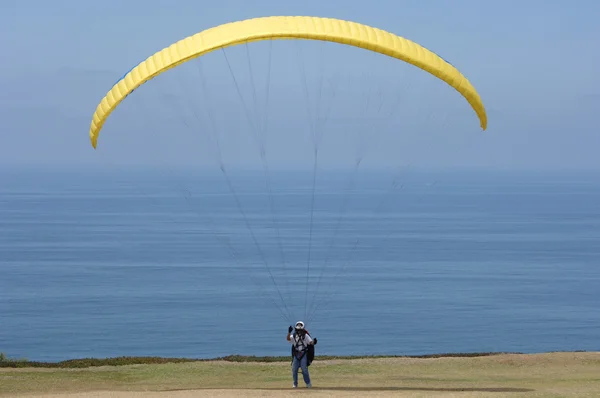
(320, 132)
(386, 120)
(338, 223)
(187, 194)
(209, 111)
(261, 138)
(234, 255)
(278, 232)
(306, 95)
(315, 149)
(237, 200)
(336, 229)
(221, 166)
(383, 200)
(395, 185)
(213, 130)
(312, 207)
(237, 86)
(211, 117)
(267, 175)
(264, 165)
(323, 123)
(325, 119)
(268, 86)
(356, 244)
(260, 142)
(258, 132)
(375, 129)
(175, 110)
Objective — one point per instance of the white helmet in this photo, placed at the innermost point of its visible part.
(299, 325)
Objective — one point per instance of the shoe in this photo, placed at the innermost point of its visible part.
(294, 386)
(309, 385)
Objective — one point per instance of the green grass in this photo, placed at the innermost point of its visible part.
(537, 375)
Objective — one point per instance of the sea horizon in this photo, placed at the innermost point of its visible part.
(454, 261)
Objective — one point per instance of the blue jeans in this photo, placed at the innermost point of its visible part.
(300, 363)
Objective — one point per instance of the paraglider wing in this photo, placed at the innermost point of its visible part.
(285, 27)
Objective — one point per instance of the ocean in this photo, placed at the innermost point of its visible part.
(105, 264)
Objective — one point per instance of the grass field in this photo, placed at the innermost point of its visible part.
(514, 375)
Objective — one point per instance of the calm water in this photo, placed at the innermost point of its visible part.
(130, 265)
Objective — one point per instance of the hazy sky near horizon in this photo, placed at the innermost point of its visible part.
(535, 64)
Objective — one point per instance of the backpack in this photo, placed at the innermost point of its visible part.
(310, 352)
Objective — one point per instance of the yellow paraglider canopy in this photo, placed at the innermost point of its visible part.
(285, 27)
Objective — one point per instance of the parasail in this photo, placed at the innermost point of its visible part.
(279, 28)
(285, 27)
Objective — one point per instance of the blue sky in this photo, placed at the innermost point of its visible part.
(534, 63)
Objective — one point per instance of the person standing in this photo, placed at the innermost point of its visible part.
(301, 341)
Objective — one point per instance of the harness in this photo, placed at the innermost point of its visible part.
(299, 347)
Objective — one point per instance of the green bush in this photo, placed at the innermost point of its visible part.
(120, 361)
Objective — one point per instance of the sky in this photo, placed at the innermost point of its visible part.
(533, 62)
